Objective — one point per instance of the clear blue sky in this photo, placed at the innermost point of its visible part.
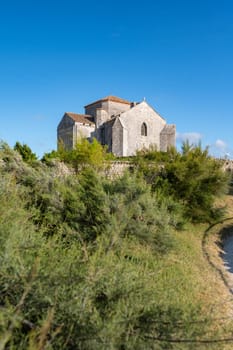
(57, 56)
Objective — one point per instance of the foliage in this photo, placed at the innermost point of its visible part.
(89, 263)
(191, 177)
(49, 156)
(85, 154)
(25, 151)
(139, 213)
(75, 296)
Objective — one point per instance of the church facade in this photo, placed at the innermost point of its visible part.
(123, 126)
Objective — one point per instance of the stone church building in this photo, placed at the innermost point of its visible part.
(123, 126)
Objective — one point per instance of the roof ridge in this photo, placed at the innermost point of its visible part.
(110, 98)
(80, 118)
(88, 115)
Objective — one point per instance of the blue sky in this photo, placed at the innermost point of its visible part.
(58, 56)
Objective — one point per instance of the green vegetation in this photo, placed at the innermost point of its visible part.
(192, 178)
(26, 152)
(84, 154)
(92, 263)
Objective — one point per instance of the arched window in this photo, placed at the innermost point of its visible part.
(144, 129)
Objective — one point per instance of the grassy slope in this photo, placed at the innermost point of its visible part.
(183, 277)
(190, 275)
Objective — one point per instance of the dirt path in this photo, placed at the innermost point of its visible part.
(228, 251)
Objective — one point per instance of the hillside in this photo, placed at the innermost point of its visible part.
(92, 263)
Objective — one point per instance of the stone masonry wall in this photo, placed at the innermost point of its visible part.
(132, 122)
(65, 132)
(117, 139)
(110, 107)
(167, 137)
(117, 169)
(81, 130)
(114, 108)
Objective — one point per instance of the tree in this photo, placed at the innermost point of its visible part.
(49, 156)
(192, 178)
(25, 151)
(99, 279)
(85, 154)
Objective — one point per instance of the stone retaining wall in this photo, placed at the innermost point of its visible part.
(117, 169)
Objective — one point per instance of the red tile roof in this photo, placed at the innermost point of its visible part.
(81, 118)
(110, 98)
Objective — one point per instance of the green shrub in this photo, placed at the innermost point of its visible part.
(25, 151)
(192, 178)
(86, 263)
(85, 154)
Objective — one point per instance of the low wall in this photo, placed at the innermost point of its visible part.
(117, 169)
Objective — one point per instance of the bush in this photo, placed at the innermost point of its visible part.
(25, 151)
(139, 213)
(85, 263)
(192, 178)
(85, 154)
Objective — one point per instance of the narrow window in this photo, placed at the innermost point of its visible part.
(144, 129)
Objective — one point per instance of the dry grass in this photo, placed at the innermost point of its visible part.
(215, 282)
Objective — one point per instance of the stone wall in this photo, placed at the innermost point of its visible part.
(91, 109)
(114, 108)
(167, 137)
(65, 132)
(101, 117)
(83, 130)
(107, 130)
(117, 169)
(117, 138)
(132, 121)
(110, 107)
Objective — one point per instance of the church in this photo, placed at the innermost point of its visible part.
(123, 126)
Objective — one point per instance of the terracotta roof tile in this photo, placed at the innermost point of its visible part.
(110, 98)
(81, 118)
